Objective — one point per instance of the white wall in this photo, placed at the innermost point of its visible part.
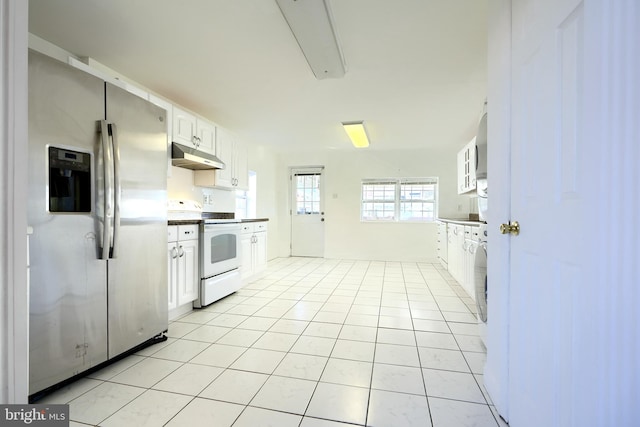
(180, 186)
(345, 235)
(270, 190)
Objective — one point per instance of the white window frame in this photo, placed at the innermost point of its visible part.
(397, 201)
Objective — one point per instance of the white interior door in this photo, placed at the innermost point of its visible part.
(547, 199)
(307, 212)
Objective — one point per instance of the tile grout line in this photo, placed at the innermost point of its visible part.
(327, 362)
(387, 286)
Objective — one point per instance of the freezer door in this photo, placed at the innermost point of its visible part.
(137, 279)
(68, 306)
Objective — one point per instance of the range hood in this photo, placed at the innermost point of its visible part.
(191, 158)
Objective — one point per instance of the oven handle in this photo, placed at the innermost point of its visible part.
(220, 227)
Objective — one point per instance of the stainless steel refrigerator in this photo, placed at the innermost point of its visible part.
(97, 206)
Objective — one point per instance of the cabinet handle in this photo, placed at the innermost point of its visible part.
(174, 253)
(181, 252)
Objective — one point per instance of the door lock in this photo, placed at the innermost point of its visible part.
(511, 228)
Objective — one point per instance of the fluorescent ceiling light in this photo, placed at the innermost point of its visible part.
(357, 134)
(311, 24)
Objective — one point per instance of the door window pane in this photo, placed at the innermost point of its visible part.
(307, 194)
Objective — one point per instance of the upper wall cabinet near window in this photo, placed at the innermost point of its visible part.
(235, 176)
(467, 167)
(193, 131)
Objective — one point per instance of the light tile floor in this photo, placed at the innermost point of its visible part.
(313, 343)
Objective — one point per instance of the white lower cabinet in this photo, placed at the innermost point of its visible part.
(183, 264)
(443, 256)
(253, 244)
(470, 246)
(461, 247)
(455, 251)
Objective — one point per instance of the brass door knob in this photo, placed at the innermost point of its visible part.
(511, 228)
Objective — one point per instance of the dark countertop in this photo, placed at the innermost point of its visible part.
(184, 221)
(461, 221)
(254, 219)
(198, 221)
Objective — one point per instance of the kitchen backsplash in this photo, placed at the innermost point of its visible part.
(180, 186)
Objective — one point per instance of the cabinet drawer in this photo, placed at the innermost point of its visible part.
(173, 233)
(188, 232)
(260, 226)
(474, 232)
(247, 228)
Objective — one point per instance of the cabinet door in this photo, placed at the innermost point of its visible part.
(472, 165)
(172, 263)
(460, 255)
(188, 290)
(207, 133)
(241, 166)
(442, 243)
(246, 260)
(260, 252)
(184, 127)
(224, 151)
(461, 170)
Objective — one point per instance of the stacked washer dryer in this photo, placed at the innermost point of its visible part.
(480, 281)
(480, 261)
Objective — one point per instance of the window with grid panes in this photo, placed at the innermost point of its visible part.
(307, 193)
(399, 199)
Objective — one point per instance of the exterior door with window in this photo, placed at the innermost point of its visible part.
(307, 212)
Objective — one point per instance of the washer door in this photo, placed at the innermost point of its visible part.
(480, 281)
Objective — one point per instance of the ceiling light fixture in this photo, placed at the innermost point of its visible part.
(357, 133)
(312, 26)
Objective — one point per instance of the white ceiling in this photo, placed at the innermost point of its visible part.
(416, 69)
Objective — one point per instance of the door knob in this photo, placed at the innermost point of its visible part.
(511, 228)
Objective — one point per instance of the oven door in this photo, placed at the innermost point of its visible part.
(220, 249)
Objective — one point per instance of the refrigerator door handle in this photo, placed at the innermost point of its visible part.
(105, 242)
(116, 187)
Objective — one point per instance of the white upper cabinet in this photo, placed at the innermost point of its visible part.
(241, 166)
(184, 127)
(192, 131)
(224, 151)
(206, 136)
(467, 167)
(235, 175)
